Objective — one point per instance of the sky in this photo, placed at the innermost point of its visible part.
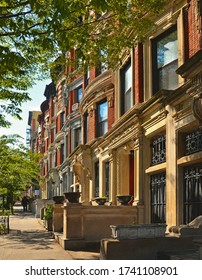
(37, 96)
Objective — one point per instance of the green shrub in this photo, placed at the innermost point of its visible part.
(48, 212)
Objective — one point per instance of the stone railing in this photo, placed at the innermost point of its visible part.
(138, 231)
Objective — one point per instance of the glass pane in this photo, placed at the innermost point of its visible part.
(128, 78)
(167, 50)
(103, 127)
(168, 79)
(79, 94)
(102, 112)
(128, 100)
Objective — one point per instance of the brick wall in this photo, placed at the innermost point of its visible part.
(111, 112)
(92, 125)
(138, 75)
(193, 32)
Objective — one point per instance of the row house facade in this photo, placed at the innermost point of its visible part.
(136, 130)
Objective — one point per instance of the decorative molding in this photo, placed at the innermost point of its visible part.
(183, 113)
(160, 116)
(91, 110)
(110, 98)
(197, 109)
(102, 81)
(196, 93)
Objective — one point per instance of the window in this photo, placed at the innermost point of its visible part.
(193, 142)
(158, 198)
(165, 61)
(126, 88)
(62, 156)
(77, 137)
(158, 146)
(85, 128)
(97, 179)
(192, 192)
(87, 78)
(103, 65)
(79, 94)
(102, 118)
(62, 119)
(107, 179)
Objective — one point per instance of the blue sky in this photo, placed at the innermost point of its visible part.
(19, 127)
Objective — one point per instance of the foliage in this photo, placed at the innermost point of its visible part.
(18, 167)
(48, 213)
(35, 33)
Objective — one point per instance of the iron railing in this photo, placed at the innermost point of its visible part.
(4, 224)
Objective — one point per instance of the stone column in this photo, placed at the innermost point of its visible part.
(138, 172)
(171, 170)
(113, 176)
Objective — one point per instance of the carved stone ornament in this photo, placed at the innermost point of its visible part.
(197, 109)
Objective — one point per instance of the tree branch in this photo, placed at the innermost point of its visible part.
(3, 16)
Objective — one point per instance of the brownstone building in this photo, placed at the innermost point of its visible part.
(136, 130)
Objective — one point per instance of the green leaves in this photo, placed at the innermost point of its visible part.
(34, 33)
(18, 166)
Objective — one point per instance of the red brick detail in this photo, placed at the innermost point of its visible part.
(110, 117)
(193, 32)
(52, 135)
(93, 74)
(186, 33)
(92, 126)
(59, 123)
(138, 74)
(58, 157)
(71, 100)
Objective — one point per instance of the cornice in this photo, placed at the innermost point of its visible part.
(101, 84)
(59, 136)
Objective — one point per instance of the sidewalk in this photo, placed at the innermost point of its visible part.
(29, 240)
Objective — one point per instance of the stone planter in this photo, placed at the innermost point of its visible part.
(124, 199)
(58, 199)
(100, 200)
(138, 231)
(72, 197)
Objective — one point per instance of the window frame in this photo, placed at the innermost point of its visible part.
(86, 125)
(155, 69)
(78, 99)
(123, 93)
(98, 130)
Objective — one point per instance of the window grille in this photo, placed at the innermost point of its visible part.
(193, 142)
(159, 149)
(192, 192)
(158, 198)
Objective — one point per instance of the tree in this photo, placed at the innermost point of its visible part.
(34, 33)
(19, 168)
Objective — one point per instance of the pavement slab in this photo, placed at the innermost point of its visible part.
(29, 240)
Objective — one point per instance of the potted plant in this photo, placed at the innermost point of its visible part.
(48, 217)
(124, 199)
(100, 200)
(72, 197)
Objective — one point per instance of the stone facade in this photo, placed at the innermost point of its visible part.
(136, 130)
